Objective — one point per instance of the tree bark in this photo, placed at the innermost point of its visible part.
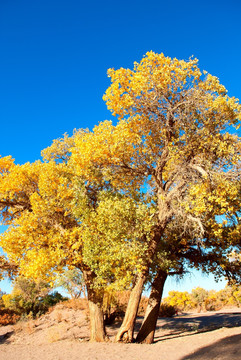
(125, 333)
(148, 327)
(95, 301)
(126, 330)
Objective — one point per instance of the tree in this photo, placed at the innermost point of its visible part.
(172, 138)
(180, 299)
(209, 254)
(117, 192)
(199, 295)
(72, 281)
(30, 297)
(57, 220)
(230, 295)
(43, 236)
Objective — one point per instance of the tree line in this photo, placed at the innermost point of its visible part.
(131, 203)
(203, 300)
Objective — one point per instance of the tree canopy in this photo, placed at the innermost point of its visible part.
(125, 201)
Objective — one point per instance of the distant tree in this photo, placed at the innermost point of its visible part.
(30, 296)
(230, 295)
(73, 282)
(179, 299)
(212, 302)
(199, 295)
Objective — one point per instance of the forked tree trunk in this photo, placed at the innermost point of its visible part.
(125, 333)
(148, 327)
(95, 301)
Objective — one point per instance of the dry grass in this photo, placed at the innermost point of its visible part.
(75, 304)
(58, 316)
(27, 327)
(53, 335)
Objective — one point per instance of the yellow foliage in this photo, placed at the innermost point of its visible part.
(103, 194)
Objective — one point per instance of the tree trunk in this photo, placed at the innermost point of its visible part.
(95, 301)
(126, 330)
(148, 327)
(97, 328)
(125, 333)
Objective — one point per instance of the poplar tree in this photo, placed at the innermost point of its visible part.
(175, 136)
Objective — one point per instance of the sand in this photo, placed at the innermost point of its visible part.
(63, 334)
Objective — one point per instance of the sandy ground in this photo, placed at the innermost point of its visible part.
(63, 334)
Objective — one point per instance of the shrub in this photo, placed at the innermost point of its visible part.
(8, 317)
(167, 310)
(52, 299)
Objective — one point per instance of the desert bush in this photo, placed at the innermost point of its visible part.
(121, 299)
(167, 310)
(52, 299)
(224, 296)
(115, 304)
(8, 317)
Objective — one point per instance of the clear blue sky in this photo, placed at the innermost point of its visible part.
(54, 56)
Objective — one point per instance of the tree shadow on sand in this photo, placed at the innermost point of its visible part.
(196, 323)
(186, 324)
(225, 349)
